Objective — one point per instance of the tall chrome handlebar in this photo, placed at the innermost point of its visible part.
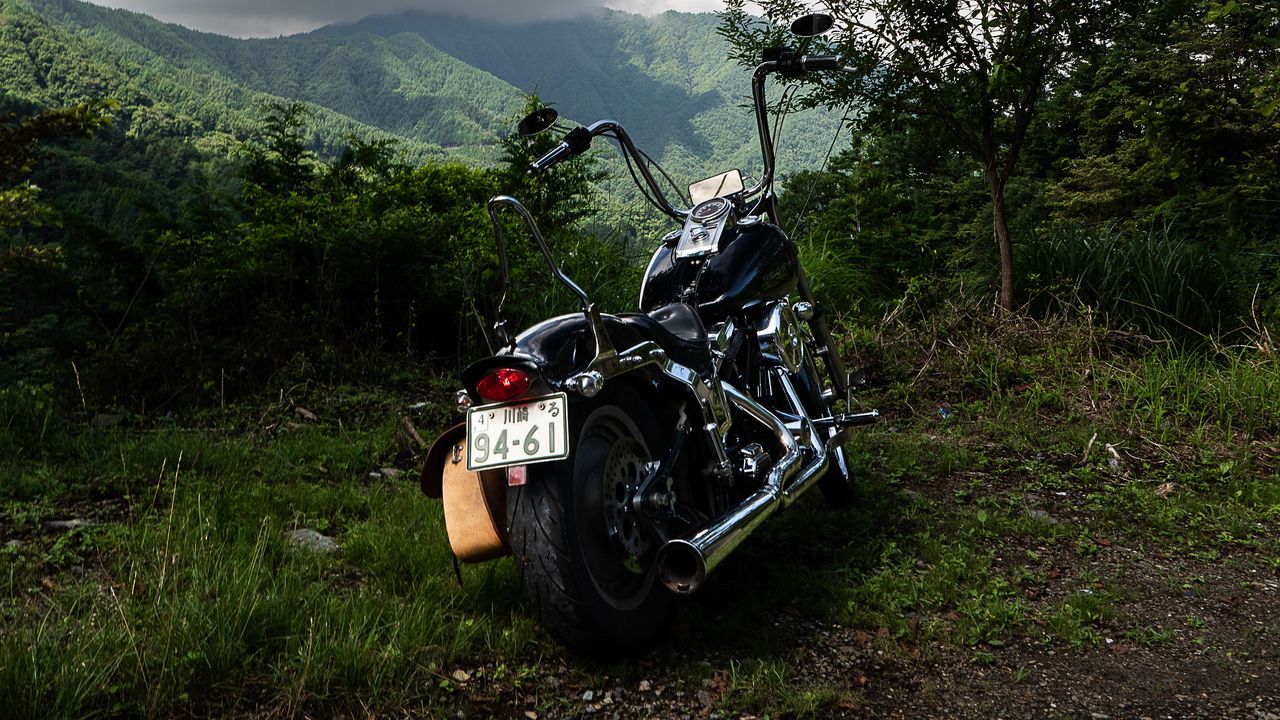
(574, 145)
(763, 70)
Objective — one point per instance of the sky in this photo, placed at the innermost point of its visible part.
(269, 18)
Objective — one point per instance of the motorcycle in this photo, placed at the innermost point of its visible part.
(620, 458)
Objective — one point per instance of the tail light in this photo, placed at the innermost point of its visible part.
(502, 384)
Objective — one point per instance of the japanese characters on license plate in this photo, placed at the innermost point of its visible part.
(518, 433)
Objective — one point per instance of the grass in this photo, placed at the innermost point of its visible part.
(190, 589)
(994, 523)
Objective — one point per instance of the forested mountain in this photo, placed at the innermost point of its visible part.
(437, 85)
(665, 78)
(174, 81)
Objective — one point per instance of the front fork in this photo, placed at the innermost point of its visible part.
(827, 348)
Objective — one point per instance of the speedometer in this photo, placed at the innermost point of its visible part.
(710, 210)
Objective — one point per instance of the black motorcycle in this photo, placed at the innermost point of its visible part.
(620, 458)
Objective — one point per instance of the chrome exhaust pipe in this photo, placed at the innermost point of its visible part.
(684, 563)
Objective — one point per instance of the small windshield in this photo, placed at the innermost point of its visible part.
(721, 185)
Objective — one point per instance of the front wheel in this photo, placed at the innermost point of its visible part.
(584, 557)
(836, 483)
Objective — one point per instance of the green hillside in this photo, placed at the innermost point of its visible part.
(214, 85)
(439, 86)
(665, 78)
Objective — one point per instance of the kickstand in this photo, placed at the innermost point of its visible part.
(457, 570)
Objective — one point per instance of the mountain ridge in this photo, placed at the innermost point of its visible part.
(442, 87)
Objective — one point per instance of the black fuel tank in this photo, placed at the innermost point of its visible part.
(755, 262)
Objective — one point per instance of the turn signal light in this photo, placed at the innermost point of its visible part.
(503, 384)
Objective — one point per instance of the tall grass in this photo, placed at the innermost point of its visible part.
(200, 594)
(1235, 390)
(1159, 282)
(840, 277)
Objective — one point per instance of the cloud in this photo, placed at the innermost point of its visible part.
(268, 18)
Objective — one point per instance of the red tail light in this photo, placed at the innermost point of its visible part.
(502, 384)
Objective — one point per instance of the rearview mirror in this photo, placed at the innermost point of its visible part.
(812, 25)
(537, 121)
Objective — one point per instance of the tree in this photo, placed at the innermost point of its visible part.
(1180, 124)
(557, 198)
(973, 71)
(24, 141)
(281, 160)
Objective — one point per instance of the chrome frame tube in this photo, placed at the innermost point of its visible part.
(502, 201)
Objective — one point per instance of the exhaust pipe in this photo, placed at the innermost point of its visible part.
(684, 563)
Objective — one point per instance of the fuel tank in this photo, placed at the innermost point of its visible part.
(755, 262)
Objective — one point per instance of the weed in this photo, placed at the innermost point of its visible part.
(770, 687)
(1076, 620)
(1150, 636)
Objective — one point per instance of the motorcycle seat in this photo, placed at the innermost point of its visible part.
(678, 330)
(683, 322)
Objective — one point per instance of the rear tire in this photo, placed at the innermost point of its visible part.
(584, 559)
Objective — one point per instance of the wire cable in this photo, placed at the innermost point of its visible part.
(804, 209)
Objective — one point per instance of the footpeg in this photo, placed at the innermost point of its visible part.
(845, 420)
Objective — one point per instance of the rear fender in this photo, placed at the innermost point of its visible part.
(555, 350)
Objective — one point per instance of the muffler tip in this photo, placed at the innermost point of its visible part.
(681, 567)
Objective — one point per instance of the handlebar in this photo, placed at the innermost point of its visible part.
(575, 142)
(785, 64)
(578, 140)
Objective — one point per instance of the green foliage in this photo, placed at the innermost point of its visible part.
(35, 273)
(23, 143)
(1158, 282)
(895, 207)
(556, 199)
(971, 74)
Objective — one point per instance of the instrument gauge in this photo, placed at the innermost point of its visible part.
(709, 211)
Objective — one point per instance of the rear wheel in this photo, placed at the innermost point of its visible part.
(584, 556)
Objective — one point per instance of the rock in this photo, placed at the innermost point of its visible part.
(65, 525)
(391, 473)
(13, 544)
(588, 696)
(705, 698)
(1041, 516)
(312, 540)
(645, 686)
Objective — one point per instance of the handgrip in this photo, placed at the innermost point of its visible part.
(820, 62)
(555, 155)
(575, 142)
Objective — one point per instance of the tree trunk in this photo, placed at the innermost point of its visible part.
(1003, 240)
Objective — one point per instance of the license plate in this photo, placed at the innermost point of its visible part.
(519, 433)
